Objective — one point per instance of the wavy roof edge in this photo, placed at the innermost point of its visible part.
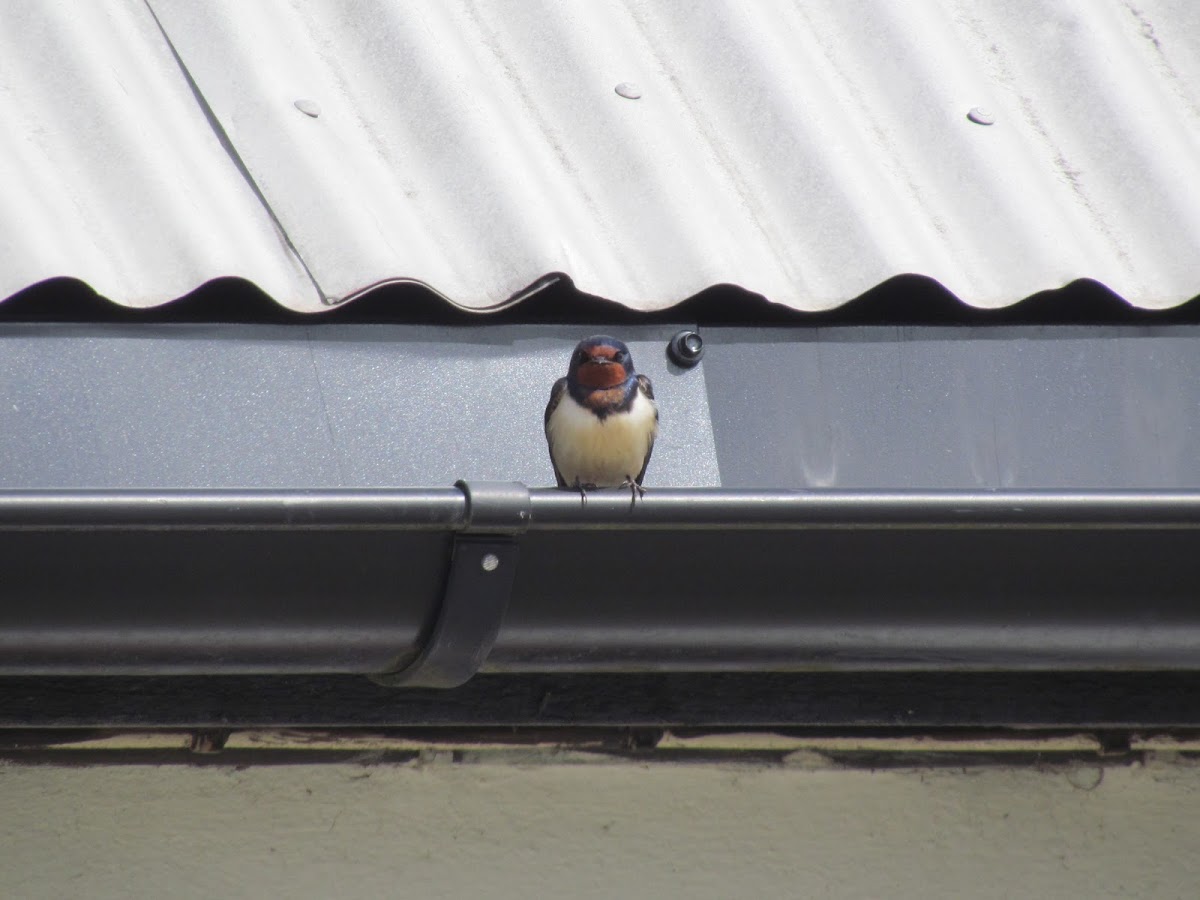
(903, 299)
(808, 152)
(908, 296)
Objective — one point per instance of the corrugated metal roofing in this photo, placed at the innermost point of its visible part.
(806, 151)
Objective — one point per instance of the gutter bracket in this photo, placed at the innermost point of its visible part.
(483, 567)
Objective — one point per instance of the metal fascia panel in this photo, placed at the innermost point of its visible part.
(381, 406)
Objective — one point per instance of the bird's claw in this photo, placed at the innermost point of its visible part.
(583, 488)
(636, 491)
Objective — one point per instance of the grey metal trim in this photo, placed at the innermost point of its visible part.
(496, 508)
(232, 407)
(311, 581)
(422, 509)
(482, 571)
(483, 566)
(512, 508)
(690, 510)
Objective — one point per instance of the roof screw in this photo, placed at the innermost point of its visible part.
(490, 562)
(308, 107)
(686, 348)
(628, 90)
(980, 116)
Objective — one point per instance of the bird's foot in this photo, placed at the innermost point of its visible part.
(636, 491)
(583, 487)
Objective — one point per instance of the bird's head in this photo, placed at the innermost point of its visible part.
(600, 362)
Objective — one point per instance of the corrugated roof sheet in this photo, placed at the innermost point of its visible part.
(806, 151)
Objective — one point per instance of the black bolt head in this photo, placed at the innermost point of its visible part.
(686, 348)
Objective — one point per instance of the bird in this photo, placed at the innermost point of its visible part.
(601, 421)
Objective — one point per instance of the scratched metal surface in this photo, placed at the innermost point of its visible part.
(394, 406)
(806, 151)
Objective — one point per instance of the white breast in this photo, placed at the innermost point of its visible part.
(604, 452)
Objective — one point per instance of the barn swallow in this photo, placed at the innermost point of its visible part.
(601, 420)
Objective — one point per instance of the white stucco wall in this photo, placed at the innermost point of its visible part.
(499, 827)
